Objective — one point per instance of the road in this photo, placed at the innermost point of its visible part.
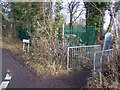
(24, 77)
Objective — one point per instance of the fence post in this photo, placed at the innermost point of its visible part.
(23, 46)
(28, 46)
(63, 35)
(94, 63)
(68, 58)
(0, 65)
(100, 74)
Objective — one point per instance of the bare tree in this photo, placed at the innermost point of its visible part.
(74, 9)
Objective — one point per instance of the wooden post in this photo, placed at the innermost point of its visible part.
(63, 35)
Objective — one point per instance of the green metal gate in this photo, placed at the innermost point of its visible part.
(88, 35)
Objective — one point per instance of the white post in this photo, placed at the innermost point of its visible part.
(94, 63)
(23, 46)
(28, 46)
(68, 58)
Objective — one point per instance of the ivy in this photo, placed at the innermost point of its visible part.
(95, 14)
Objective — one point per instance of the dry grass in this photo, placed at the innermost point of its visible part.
(106, 83)
(11, 44)
(50, 69)
(47, 69)
(106, 79)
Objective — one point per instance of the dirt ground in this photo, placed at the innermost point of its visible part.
(25, 77)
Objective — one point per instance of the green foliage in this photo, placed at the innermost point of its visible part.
(95, 13)
(26, 13)
(23, 14)
(58, 20)
(58, 16)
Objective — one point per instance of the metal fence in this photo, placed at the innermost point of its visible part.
(81, 55)
(88, 35)
(101, 57)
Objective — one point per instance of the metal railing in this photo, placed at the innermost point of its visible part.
(80, 55)
(101, 57)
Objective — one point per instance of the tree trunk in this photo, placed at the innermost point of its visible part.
(71, 24)
(115, 45)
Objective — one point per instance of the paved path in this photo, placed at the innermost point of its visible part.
(23, 77)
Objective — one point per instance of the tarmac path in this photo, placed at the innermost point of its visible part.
(24, 77)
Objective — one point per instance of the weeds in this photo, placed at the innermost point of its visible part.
(46, 68)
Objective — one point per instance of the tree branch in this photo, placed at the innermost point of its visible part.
(78, 16)
(93, 4)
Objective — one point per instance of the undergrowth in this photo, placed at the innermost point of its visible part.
(46, 68)
(9, 43)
